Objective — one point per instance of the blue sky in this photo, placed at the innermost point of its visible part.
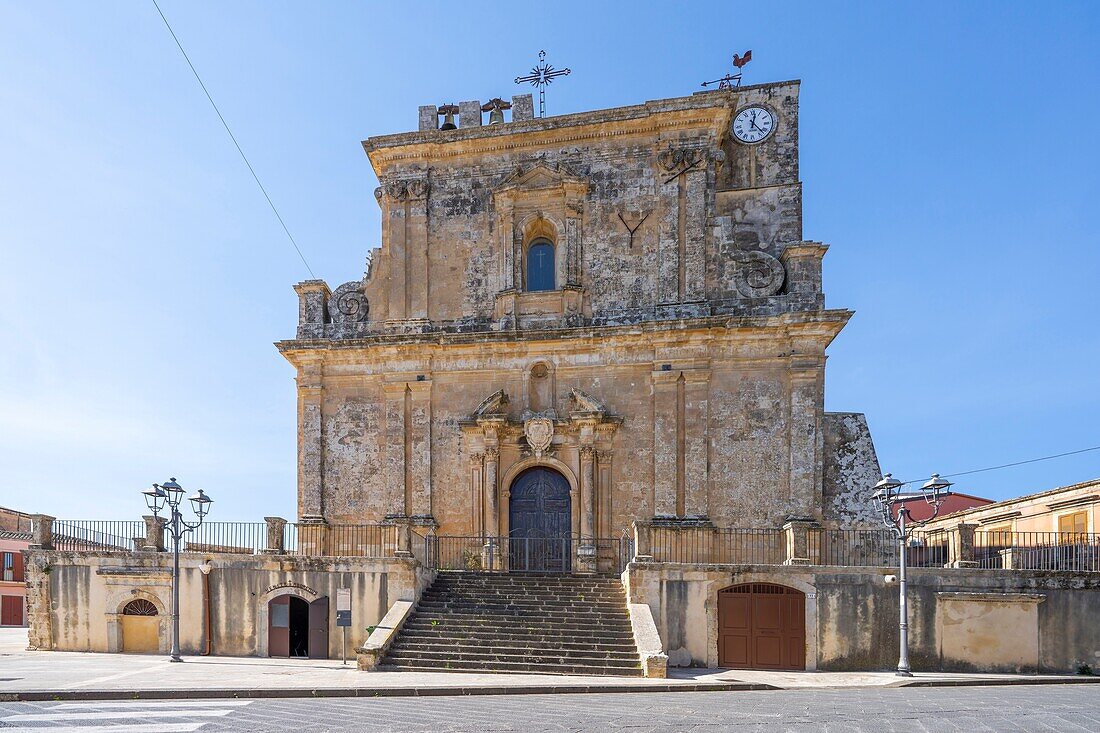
(949, 155)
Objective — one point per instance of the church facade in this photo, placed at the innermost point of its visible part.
(578, 322)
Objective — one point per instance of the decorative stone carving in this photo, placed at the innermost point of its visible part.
(585, 402)
(418, 188)
(539, 432)
(348, 304)
(401, 190)
(675, 160)
(758, 274)
(494, 404)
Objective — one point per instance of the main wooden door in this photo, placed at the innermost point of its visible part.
(540, 522)
(761, 626)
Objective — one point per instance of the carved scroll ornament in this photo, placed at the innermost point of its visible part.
(539, 432)
(759, 275)
(348, 304)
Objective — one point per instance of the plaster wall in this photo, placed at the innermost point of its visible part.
(86, 592)
(960, 619)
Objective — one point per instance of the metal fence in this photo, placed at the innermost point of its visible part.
(526, 554)
(1073, 551)
(710, 545)
(878, 547)
(98, 535)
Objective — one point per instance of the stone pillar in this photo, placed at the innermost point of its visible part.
(492, 550)
(276, 530)
(42, 532)
(393, 198)
(492, 494)
(960, 548)
(803, 264)
(310, 439)
(643, 551)
(586, 552)
(665, 442)
(1008, 560)
(694, 277)
(313, 297)
(469, 114)
(523, 107)
(797, 532)
(429, 117)
(39, 602)
(154, 534)
(313, 538)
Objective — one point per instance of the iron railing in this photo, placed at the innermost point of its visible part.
(1073, 551)
(98, 535)
(877, 548)
(526, 554)
(242, 538)
(738, 546)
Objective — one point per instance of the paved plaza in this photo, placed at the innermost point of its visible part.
(972, 709)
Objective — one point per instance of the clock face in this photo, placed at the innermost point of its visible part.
(753, 124)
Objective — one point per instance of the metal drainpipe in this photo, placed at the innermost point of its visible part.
(206, 613)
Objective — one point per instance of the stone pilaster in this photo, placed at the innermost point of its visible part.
(492, 492)
(664, 442)
(419, 470)
(806, 438)
(696, 443)
(310, 442)
(586, 552)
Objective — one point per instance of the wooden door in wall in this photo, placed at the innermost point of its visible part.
(540, 522)
(278, 627)
(318, 628)
(761, 626)
(11, 610)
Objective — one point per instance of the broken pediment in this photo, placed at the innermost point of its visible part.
(541, 176)
(493, 405)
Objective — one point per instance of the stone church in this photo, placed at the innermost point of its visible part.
(580, 321)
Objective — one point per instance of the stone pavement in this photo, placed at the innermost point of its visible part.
(1058, 708)
(76, 676)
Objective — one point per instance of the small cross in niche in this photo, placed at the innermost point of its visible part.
(635, 227)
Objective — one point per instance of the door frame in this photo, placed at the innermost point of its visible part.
(505, 489)
(569, 559)
(262, 615)
(799, 581)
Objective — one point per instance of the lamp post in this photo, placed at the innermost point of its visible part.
(888, 495)
(170, 495)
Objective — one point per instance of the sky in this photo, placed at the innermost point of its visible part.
(949, 156)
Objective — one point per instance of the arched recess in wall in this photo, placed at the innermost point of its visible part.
(540, 387)
(141, 622)
(762, 626)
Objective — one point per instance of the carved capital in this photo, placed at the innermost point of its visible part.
(412, 189)
(588, 453)
(676, 160)
(492, 454)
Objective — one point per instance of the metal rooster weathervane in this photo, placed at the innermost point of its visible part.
(727, 81)
(542, 75)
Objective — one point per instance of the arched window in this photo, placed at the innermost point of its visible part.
(540, 266)
(139, 607)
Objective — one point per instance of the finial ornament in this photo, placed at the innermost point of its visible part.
(542, 74)
(728, 81)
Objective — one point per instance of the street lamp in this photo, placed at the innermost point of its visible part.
(171, 493)
(888, 495)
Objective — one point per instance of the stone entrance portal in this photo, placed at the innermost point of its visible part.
(540, 521)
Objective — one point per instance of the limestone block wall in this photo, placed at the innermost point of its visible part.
(79, 596)
(960, 619)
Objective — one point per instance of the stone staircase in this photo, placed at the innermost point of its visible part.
(518, 622)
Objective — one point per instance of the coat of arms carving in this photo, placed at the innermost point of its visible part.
(539, 432)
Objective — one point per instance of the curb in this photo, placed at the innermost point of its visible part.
(456, 691)
(461, 691)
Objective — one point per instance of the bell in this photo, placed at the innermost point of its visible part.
(448, 110)
(495, 107)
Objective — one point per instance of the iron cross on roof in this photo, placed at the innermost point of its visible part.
(541, 75)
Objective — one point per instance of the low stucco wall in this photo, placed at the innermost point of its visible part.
(78, 597)
(959, 619)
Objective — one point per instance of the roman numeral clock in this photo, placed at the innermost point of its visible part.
(753, 124)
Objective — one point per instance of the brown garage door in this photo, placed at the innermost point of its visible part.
(761, 626)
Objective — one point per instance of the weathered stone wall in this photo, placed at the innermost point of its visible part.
(686, 305)
(851, 470)
(78, 597)
(960, 619)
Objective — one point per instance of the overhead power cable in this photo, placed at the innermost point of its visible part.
(234, 139)
(1010, 465)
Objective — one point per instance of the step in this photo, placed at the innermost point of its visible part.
(497, 611)
(560, 669)
(488, 636)
(509, 645)
(512, 661)
(513, 625)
